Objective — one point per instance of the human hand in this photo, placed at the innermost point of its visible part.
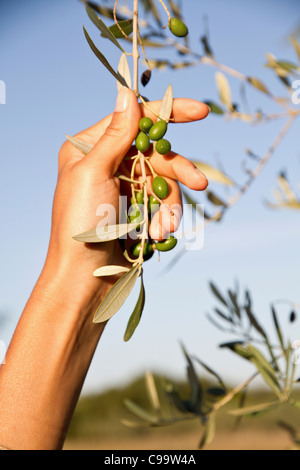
(86, 182)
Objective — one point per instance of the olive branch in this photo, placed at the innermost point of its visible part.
(146, 199)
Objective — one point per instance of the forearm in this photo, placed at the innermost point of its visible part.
(47, 361)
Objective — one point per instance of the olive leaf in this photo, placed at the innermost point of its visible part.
(214, 199)
(116, 296)
(167, 105)
(215, 109)
(84, 147)
(125, 25)
(258, 84)
(255, 409)
(277, 327)
(106, 32)
(209, 431)
(150, 6)
(217, 293)
(106, 233)
(104, 11)
(140, 412)
(249, 352)
(103, 59)
(212, 372)
(196, 395)
(110, 271)
(224, 90)
(137, 313)
(296, 46)
(152, 392)
(124, 71)
(214, 174)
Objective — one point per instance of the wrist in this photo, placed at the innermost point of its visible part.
(71, 287)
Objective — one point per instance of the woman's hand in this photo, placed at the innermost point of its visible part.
(55, 340)
(87, 182)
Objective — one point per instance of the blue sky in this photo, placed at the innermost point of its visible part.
(55, 85)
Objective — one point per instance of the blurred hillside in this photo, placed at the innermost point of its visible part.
(97, 424)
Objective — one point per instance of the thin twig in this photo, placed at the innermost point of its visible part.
(116, 20)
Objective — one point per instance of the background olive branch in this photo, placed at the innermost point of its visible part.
(274, 362)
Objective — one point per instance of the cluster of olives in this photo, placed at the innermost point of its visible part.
(155, 132)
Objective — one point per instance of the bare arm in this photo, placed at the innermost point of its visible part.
(55, 340)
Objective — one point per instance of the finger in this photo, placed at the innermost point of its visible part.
(184, 110)
(117, 138)
(168, 218)
(177, 167)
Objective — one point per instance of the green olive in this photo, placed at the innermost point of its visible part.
(136, 213)
(145, 124)
(147, 253)
(142, 142)
(160, 187)
(166, 245)
(139, 196)
(153, 205)
(158, 130)
(163, 147)
(178, 28)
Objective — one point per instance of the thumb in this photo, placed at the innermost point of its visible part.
(113, 146)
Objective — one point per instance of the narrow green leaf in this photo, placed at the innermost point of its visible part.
(217, 293)
(124, 71)
(106, 32)
(137, 313)
(258, 84)
(224, 90)
(116, 296)
(222, 315)
(196, 388)
(175, 9)
(296, 45)
(84, 147)
(175, 399)
(252, 410)
(252, 318)
(238, 347)
(110, 271)
(102, 59)
(140, 412)
(104, 11)
(106, 233)
(234, 300)
(209, 432)
(214, 199)
(150, 6)
(286, 188)
(152, 392)
(215, 109)
(277, 327)
(211, 371)
(207, 47)
(125, 25)
(214, 174)
(266, 370)
(167, 105)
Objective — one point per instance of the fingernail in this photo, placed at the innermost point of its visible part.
(122, 100)
(199, 172)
